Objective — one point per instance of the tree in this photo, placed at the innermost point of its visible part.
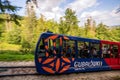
(115, 33)
(7, 17)
(90, 27)
(103, 32)
(9, 10)
(13, 36)
(40, 28)
(28, 27)
(69, 22)
(62, 27)
(2, 28)
(52, 26)
(34, 1)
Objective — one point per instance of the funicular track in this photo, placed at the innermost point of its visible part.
(7, 71)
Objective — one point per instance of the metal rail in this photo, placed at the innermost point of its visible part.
(11, 75)
(17, 67)
(6, 68)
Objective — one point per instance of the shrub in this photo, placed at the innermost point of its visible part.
(6, 46)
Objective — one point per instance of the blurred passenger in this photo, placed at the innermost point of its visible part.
(93, 53)
(104, 51)
(73, 51)
(68, 51)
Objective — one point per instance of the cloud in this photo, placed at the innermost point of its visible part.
(79, 5)
(95, 14)
(54, 9)
(50, 8)
(107, 17)
(47, 5)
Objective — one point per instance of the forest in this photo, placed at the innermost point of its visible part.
(20, 33)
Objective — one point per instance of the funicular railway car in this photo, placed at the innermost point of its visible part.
(56, 54)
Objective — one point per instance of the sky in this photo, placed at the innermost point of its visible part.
(100, 10)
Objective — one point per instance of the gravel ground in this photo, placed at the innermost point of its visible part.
(102, 75)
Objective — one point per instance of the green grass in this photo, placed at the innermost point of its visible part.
(15, 56)
(11, 52)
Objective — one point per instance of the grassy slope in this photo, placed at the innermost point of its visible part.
(15, 56)
(10, 52)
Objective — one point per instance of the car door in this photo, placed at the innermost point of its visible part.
(119, 53)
